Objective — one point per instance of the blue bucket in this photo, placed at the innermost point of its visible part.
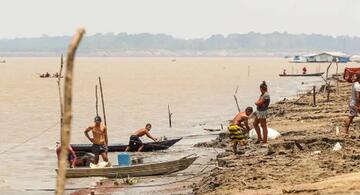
(124, 159)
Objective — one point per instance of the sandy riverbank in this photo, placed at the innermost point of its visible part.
(301, 160)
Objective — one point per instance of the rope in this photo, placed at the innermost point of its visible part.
(29, 139)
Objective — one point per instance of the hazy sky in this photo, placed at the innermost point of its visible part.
(180, 18)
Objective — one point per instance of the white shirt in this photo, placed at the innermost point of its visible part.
(355, 89)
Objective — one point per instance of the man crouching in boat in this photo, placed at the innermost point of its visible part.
(238, 130)
(99, 140)
(72, 158)
(75, 159)
(135, 143)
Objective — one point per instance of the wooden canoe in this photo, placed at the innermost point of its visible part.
(148, 147)
(132, 171)
(302, 75)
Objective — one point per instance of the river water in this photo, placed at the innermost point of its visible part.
(136, 91)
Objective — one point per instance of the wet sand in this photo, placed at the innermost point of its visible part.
(301, 160)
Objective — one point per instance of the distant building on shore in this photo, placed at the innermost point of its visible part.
(324, 57)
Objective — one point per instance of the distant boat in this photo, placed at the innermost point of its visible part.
(302, 75)
(173, 60)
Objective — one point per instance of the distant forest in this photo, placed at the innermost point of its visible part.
(145, 44)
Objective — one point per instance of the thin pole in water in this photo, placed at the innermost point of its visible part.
(96, 104)
(236, 100)
(170, 115)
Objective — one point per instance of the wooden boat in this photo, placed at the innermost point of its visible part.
(148, 147)
(302, 75)
(132, 171)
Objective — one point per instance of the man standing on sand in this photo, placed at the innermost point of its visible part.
(354, 105)
(135, 143)
(99, 139)
(237, 129)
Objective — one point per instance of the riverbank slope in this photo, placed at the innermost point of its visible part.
(302, 160)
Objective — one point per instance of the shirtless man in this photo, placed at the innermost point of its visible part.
(237, 129)
(135, 143)
(99, 139)
(243, 117)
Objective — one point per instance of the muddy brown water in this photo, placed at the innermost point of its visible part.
(137, 90)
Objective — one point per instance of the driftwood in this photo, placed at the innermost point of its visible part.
(66, 128)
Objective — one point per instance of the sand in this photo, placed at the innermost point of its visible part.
(300, 161)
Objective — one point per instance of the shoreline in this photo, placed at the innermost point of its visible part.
(301, 160)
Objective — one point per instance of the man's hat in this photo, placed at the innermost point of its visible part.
(97, 119)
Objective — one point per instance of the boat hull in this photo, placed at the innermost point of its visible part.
(132, 171)
(148, 147)
(302, 75)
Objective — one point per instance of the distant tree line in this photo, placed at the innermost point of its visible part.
(123, 42)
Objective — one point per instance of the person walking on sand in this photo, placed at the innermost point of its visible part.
(99, 139)
(135, 143)
(237, 130)
(262, 106)
(354, 105)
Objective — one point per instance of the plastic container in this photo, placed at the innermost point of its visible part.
(124, 159)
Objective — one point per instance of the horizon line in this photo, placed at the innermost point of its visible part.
(175, 37)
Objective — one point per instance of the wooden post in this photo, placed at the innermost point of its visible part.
(65, 130)
(314, 96)
(97, 100)
(222, 126)
(170, 115)
(248, 70)
(59, 90)
(328, 93)
(337, 78)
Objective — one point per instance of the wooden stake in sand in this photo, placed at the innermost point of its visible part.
(66, 128)
(59, 90)
(170, 115)
(103, 108)
(314, 96)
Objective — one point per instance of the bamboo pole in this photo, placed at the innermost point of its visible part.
(65, 130)
(96, 104)
(170, 115)
(103, 108)
(59, 90)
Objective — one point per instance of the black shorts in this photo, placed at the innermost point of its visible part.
(98, 149)
(135, 143)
